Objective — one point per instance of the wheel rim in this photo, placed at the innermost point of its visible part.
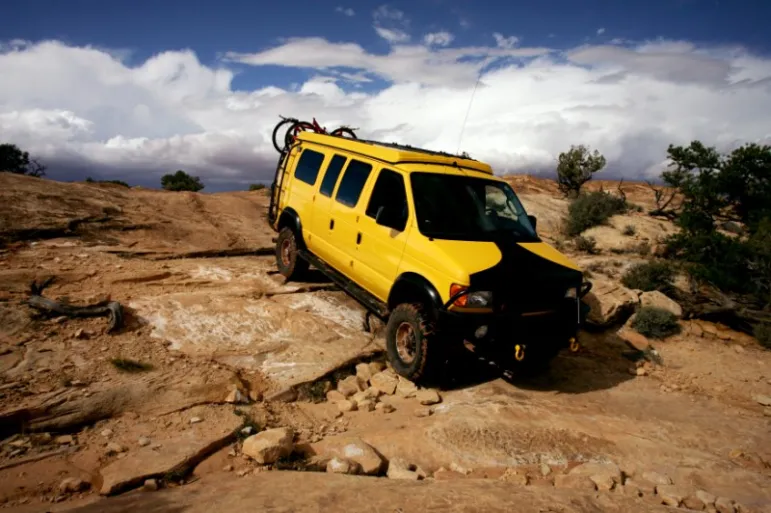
(286, 252)
(406, 342)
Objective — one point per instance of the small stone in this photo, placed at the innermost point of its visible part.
(366, 405)
(763, 400)
(255, 395)
(706, 498)
(268, 446)
(513, 476)
(107, 433)
(423, 412)
(228, 468)
(400, 469)
(694, 503)
(143, 441)
(406, 388)
(365, 395)
(459, 469)
(115, 448)
(247, 430)
(243, 472)
(670, 495)
(574, 482)
(545, 469)
(346, 405)
(385, 382)
(385, 407)
(363, 372)
(236, 397)
(196, 420)
(724, 505)
(349, 386)
(150, 485)
(333, 396)
(73, 485)
(428, 397)
(656, 478)
(342, 466)
(767, 412)
(641, 371)
(64, 440)
(81, 334)
(376, 367)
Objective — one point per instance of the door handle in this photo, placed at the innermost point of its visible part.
(331, 224)
(358, 238)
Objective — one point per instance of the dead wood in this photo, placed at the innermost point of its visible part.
(111, 309)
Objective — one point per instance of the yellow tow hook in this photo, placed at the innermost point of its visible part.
(574, 345)
(519, 352)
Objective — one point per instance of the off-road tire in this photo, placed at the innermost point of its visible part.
(428, 354)
(288, 260)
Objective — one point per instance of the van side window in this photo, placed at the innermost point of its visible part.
(308, 166)
(331, 174)
(389, 192)
(353, 181)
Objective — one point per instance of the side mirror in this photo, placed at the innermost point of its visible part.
(532, 220)
(390, 218)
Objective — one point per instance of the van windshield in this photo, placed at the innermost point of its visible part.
(468, 208)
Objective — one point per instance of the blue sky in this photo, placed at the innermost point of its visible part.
(241, 51)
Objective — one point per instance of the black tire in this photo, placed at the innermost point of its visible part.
(411, 343)
(289, 262)
(275, 132)
(295, 129)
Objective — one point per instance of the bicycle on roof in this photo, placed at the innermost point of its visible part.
(296, 126)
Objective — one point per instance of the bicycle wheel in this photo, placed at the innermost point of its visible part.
(275, 132)
(344, 132)
(296, 128)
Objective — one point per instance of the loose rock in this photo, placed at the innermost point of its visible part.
(445, 475)
(385, 382)
(64, 440)
(574, 482)
(269, 445)
(640, 487)
(724, 505)
(366, 405)
(345, 405)
(545, 469)
(763, 400)
(342, 466)
(73, 485)
(670, 495)
(605, 475)
(406, 388)
(358, 451)
(428, 397)
(512, 476)
(385, 407)
(657, 299)
(423, 412)
(400, 469)
(236, 397)
(706, 498)
(657, 478)
(107, 433)
(115, 448)
(363, 372)
(150, 485)
(333, 396)
(376, 366)
(143, 441)
(369, 394)
(350, 386)
(641, 371)
(459, 469)
(196, 420)
(694, 503)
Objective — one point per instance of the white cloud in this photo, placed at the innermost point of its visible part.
(387, 13)
(600, 31)
(505, 42)
(345, 10)
(393, 36)
(85, 108)
(442, 38)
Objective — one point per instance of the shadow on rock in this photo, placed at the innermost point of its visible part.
(600, 364)
(159, 502)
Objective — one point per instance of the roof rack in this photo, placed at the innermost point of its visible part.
(416, 149)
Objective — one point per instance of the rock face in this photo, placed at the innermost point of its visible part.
(185, 450)
(609, 302)
(657, 299)
(270, 445)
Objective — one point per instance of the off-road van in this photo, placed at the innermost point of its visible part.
(434, 244)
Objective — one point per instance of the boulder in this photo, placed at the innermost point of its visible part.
(428, 397)
(385, 382)
(268, 446)
(604, 475)
(609, 303)
(359, 452)
(342, 466)
(406, 388)
(333, 396)
(657, 299)
(633, 339)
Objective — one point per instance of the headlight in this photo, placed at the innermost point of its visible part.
(480, 299)
(571, 293)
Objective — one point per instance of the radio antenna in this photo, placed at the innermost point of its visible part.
(468, 110)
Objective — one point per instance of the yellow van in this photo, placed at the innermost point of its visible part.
(434, 244)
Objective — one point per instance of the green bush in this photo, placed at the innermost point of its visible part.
(654, 322)
(256, 186)
(181, 181)
(762, 332)
(586, 244)
(649, 276)
(592, 209)
(629, 230)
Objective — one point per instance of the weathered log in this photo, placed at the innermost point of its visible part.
(112, 309)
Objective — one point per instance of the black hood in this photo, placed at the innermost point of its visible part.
(523, 280)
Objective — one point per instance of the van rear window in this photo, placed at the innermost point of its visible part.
(308, 166)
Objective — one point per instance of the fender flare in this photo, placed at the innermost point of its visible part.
(291, 219)
(412, 285)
